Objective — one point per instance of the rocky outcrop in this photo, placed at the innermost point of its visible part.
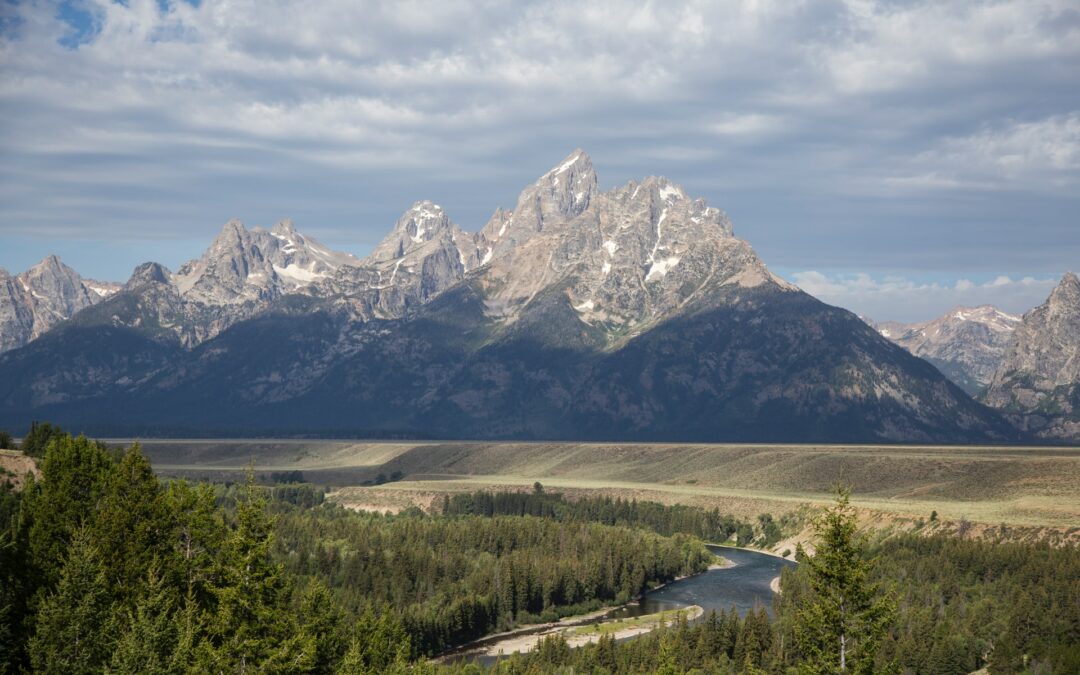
(1038, 381)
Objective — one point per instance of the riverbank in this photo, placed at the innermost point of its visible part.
(752, 550)
(580, 633)
(510, 641)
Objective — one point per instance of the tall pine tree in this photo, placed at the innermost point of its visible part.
(252, 628)
(75, 624)
(844, 617)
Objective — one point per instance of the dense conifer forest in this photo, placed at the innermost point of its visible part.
(104, 567)
(707, 525)
(107, 567)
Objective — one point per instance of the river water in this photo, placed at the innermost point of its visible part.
(745, 586)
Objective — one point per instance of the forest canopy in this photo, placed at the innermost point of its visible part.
(105, 567)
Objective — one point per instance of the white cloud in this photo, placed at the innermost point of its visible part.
(895, 298)
(1042, 155)
(885, 46)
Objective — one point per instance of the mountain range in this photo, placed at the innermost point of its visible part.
(628, 314)
(967, 344)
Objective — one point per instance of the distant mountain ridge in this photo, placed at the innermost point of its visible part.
(634, 313)
(34, 301)
(966, 344)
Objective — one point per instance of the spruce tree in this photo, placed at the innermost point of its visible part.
(152, 634)
(323, 626)
(844, 617)
(252, 628)
(196, 534)
(75, 476)
(12, 603)
(132, 524)
(75, 626)
(380, 645)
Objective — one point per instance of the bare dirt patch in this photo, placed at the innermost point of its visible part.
(14, 466)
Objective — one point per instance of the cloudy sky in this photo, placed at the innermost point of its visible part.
(895, 158)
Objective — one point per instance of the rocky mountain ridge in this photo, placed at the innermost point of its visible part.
(626, 258)
(966, 344)
(632, 313)
(34, 301)
(1038, 380)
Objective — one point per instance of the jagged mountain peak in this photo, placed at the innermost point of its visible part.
(987, 315)
(567, 188)
(1067, 291)
(148, 272)
(293, 247)
(51, 278)
(556, 198)
(627, 258)
(231, 232)
(423, 222)
(577, 162)
(256, 265)
(50, 267)
(37, 299)
(51, 261)
(283, 227)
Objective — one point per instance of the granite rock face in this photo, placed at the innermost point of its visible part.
(1038, 381)
(623, 259)
(41, 297)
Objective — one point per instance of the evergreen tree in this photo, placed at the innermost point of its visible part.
(75, 626)
(667, 660)
(75, 476)
(843, 619)
(151, 638)
(605, 653)
(12, 604)
(323, 626)
(380, 645)
(190, 634)
(131, 526)
(37, 440)
(196, 535)
(252, 627)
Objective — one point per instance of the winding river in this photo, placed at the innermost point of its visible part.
(744, 584)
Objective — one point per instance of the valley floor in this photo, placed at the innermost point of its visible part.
(1009, 492)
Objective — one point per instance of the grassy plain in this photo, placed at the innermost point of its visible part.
(1030, 487)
